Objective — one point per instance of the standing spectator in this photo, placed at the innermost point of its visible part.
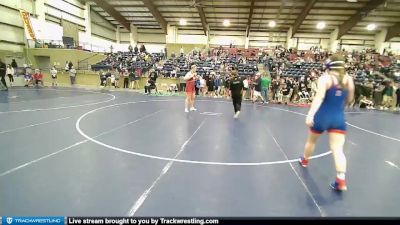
(3, 74)
(257, 89)
(103, 78)
(53, 73)
(72, 75)
(130, 48)
(182, 83)
(166, 53)
(132, 78)
(66, 67)
(210, 85)
(275, 88)
(117, 76)
(14, 66)
(388, 96)
(217, 85)
(126, 79)
(313, 87)
(10, 73)
(136, 50)
(265, 82)
(398, 97)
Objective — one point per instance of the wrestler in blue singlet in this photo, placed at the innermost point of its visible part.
(330, 115)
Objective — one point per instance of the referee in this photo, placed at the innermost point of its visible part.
(236, 87)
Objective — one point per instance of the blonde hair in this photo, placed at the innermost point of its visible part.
(337, 64)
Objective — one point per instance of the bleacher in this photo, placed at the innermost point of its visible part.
(301, 69)
(204, 66)
(112, 61)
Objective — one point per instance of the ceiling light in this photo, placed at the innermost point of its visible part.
(352, 0)
(182, 22)
(226, 23)
(371, 26)
(321, 25)
(272, 23)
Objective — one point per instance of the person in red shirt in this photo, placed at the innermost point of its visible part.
(38, 77)
(190, 78)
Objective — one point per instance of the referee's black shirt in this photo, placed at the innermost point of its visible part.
(236, 86)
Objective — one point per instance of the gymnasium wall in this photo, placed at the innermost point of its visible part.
(11, 24)
(101, 28)
(45, 58)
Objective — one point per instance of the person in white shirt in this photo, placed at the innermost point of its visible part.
(10, 72)
(53, 73)
(66, 67)
(72, 75)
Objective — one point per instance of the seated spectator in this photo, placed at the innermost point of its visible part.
(366, 103)
(173, 88)
(151, 83)
(38, 77)
(28, 78)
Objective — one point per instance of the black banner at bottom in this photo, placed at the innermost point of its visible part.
(222, 221)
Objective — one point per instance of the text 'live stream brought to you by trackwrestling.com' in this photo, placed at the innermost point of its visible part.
(7, 220)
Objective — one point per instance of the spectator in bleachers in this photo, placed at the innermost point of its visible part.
(142, 49)
(10, 73)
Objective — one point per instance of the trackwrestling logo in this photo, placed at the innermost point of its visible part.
(9, 220)
(32, 220)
